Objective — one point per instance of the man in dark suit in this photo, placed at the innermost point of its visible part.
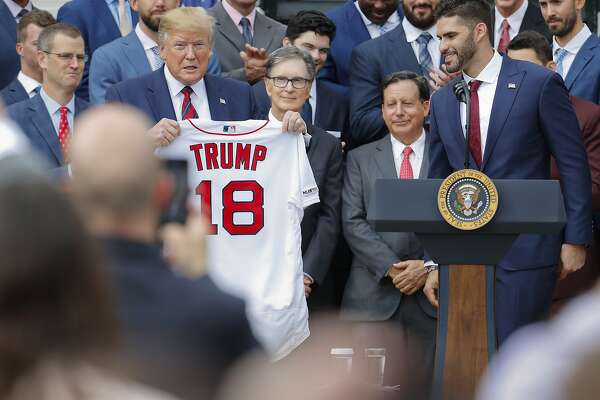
(356, 22)
(513, 16)
(100, 22)
(388, 271)
(576, 49)
(240, 28)
(412, 46)
(522, 115)
(327, 105)
(11, 12)
(47, 119)
(179, 329)
(29, 80)
(181, 90)
(533, 47)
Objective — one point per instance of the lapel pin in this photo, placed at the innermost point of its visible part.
(512, 85)
(222, 101)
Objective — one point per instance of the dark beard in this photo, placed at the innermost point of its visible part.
(568, 28)
(151, 24)
(465, 54)
(422, 24)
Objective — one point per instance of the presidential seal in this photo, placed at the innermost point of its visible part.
(467, 199)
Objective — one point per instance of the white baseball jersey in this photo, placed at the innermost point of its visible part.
(252, 181)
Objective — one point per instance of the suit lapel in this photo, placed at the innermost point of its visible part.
(8, 21)
(219, 109)
(581, 59)
(43, 123)
(454, 123)
(159, 97)
(135, 54)
(262, 32)
(425, 162)
(105, 15)
(314, 142)
(358, 31)
(226, 26)
(404, 53)
(384, 158)
(503, 102)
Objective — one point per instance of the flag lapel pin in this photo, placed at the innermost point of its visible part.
(512, 85)
(222, 100)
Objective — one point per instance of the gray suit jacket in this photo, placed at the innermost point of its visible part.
(268, 34)
(369, 294)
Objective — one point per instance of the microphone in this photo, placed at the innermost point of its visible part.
(463, 95)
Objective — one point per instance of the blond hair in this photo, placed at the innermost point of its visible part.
(190, 19)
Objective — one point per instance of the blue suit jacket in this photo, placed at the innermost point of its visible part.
(33, 118)
(9, 59)
(350, 32)
(97, 25)
(332, 106)
(371, 62)
(528, 123)
(583, 79)
(198, 3)
(228, 100)
(123, 59)
(13, 93)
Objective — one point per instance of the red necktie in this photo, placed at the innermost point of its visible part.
(475, 134)
(187, 108)
(504, 37)
(406, 171)
(63, 131)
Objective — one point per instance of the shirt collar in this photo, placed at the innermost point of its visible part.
(576, 43)
(412, 32)
(418, 146)
(15, 9)
(53, 106)
(29, 84)
(513, 19)
(393, 19)
(236, 16)
(145, 40)
(491, 71)
(175, 86)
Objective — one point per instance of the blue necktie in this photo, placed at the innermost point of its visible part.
(559, 56)
(246, 31)
(424, 56)
(157, 62)
(306, 112)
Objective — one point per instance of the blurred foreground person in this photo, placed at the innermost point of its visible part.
(182, 333)
(56, 314)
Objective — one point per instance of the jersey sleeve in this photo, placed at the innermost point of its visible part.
(309, 192)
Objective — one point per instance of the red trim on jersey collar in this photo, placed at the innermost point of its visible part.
(228, 134)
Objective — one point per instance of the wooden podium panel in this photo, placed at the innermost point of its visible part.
(466, 332)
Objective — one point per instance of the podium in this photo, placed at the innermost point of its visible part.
(466, 337)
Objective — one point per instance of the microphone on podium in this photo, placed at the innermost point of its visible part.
(463, 95)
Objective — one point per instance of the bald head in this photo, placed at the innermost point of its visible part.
(113, 162)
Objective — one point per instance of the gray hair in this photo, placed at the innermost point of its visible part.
(284, 54)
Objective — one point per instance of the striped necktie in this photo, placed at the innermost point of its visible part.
(157, 62)
(187, 108)
(246, 31)
(559, 56)
(424, 56)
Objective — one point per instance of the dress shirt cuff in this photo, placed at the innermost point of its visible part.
(312, 280)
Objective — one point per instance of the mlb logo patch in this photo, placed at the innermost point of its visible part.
(229, 128)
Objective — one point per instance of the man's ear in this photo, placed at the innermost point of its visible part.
(286, 42)
(19, 48)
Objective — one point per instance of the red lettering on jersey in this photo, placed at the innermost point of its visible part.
(210, 153)
(196, 149)
(242, 156)
(226, 155)
(260, 153)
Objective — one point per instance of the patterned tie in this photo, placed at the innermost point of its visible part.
(124, 21)
(424, 56)
(475, 134)
(187, 108)
(246, 30)
(559, 56)
(382, 30)
(504, 37)
(158, 62)
(21, 14)
(63, 131)
(406, 171)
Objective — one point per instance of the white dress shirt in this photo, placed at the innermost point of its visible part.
(572, 48)
(54, 110)
(29, 84)
(489, 79)
(15, 9)
(412, 33)
(148, 44)
(199, 97)
(374, 29)
(415, 158)
(312, 100)
(514, 21)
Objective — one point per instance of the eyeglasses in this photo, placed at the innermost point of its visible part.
(81, 58)
(282, 82)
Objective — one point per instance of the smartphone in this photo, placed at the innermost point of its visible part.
(177, 211)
